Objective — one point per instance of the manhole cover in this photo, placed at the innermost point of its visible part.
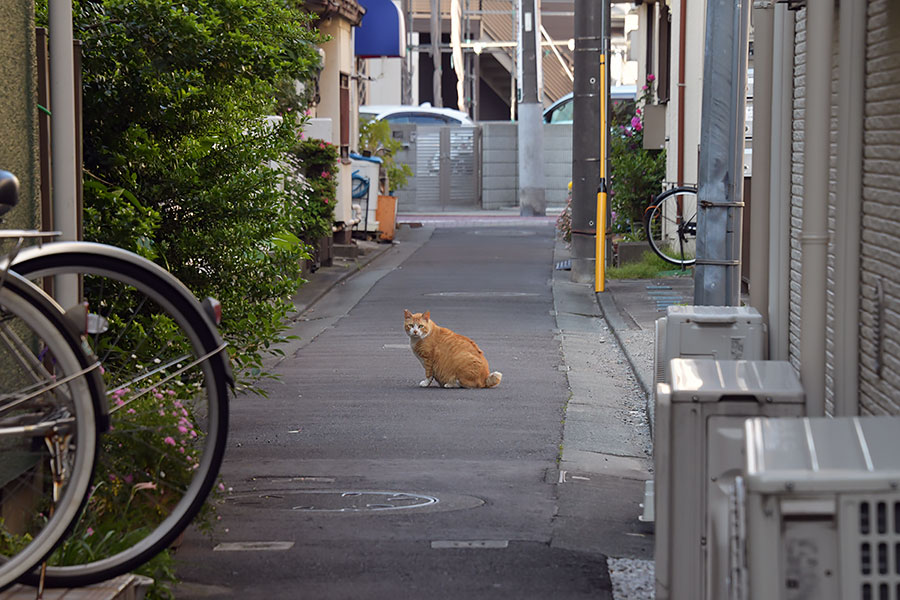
(338, 501)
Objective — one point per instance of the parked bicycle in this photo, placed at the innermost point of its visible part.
(167, 376)
(671, 225)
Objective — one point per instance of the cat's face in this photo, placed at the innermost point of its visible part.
(417, 325)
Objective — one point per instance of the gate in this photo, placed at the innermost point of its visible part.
(446, 165)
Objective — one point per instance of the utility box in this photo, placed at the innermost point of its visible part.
(698, 453)
(822, 507)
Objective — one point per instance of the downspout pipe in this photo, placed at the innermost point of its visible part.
(65, 175)
(780, 185)
(852, 52)
(682, 51)
(814, 233)
(763, 33)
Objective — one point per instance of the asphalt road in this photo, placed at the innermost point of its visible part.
(351, 481)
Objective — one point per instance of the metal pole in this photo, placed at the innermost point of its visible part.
(62, 138)
(603, 188)
(780, 187)
(814, 234)
(851, 105)
(763, 32)
(717, 280)
(436, 52)
(585, 139)
(532, 186)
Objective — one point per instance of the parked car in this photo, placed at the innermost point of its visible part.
(424, 114)
(562, 110)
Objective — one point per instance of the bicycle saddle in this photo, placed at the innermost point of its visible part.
(9, 191)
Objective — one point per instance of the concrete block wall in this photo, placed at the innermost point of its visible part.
(499, 157)
(499, 164)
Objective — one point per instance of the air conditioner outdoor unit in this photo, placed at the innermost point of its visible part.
(822, 507)
(720, 332)
(698, 452)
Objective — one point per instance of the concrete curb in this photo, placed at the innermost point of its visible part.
(319, 283)
(617, 325)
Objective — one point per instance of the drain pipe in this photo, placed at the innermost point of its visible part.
(763, 32)
(65, 175)
(780, 185)
(814, 235)
(852, 52)
(682, 51)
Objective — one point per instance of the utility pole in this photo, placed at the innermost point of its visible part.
(436, 52)
(586, 136)
(532, 186)
(717, 279)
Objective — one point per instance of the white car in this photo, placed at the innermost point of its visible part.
(562, 110)
(424, 114)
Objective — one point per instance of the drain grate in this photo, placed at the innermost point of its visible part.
(564, 265)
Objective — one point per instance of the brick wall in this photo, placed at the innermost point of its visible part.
(880, 249)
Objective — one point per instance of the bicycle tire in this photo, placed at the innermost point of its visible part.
(164, 299)
(671, 236)
(37, 341)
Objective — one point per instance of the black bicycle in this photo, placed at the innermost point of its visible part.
(671, 225)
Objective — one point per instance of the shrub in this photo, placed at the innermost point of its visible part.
(375, 138)
(177, 143)
(636, 173)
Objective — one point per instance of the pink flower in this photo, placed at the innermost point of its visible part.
(128, 478)
(326, 174)
(637, 111)
(651, 77)
(169, 440)
(322, 145)
(182, 429)
(221, 487)
(636, 123)
(89, 532)
(644, 88)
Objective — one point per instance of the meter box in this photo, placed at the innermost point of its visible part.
(698, 452)
(822, 509)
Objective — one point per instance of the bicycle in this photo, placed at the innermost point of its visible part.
(163, 358)
(52, 410)
(670, 224)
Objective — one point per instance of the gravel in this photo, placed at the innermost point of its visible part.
(632, 578)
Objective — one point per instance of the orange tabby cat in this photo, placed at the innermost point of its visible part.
(452, 359)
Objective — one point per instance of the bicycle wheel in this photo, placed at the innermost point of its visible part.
(166, 373)
(671, 226)
(50, 394)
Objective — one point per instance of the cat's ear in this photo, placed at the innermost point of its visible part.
(427, 315)
(407, 314)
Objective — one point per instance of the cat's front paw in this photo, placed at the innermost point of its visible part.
(425, 383)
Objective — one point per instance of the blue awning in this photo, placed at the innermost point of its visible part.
(381, 32)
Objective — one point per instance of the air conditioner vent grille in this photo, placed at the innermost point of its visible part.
(873, 534)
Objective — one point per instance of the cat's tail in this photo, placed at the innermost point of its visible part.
(493, 379)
